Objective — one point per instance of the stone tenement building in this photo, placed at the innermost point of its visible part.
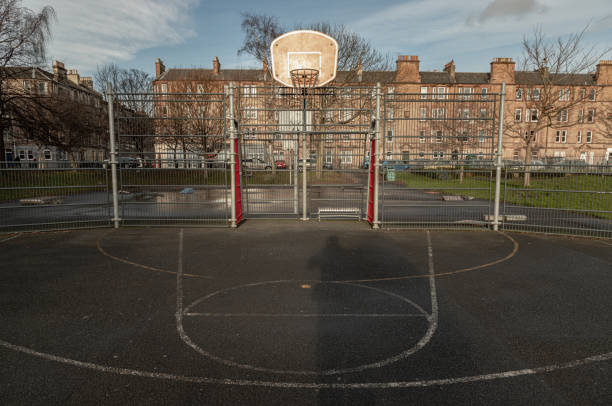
(578, 127)
(33, 86)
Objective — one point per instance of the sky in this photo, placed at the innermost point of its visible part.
(190, 33)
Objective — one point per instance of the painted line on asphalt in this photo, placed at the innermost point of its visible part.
(10, 238)
(305, 315)
(515, 248)
(432, 320)
(425, 383)
(146, 267)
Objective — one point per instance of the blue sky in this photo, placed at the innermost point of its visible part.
(189, 33)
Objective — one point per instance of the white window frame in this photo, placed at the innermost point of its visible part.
(579, 137)
(346, 157)
(564, 94)
(422, 137)
(423, 92)
(592, 93)
(518, 94)
(164, 88)
(518, 115)
(590, 115)
(439, 136)
(389, 136)
(47, 152)
(483, 113)
(467, 93)
(536, 94)
(581, 116)
(391, 92)
(562, 117)
(481, 135)
(250, 113)
(483, 93)
(329, 157)
(441, 93)
(589, 137)
(423, 114)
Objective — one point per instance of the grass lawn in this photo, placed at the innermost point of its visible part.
(569, 191)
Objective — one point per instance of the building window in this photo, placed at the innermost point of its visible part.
(481, 135)
(519, 94)
(465, 114)
(390, 113)
(439, 136)
(564, 94)
(26, 86)
(423, 92)
(47, 154)
(347, 114)
(562, 116)
(582, 93)
(164, 88)
(200, 88)
(592, 94)
(421, 154)
(579, 137)
(590, 115)
(164, 111)
(42, 88)
(423, 113)
(390, 92)
(438, 114)
(581, 116)
(483, 93)
(389, 135)
(30, 155)
(517, 115)
(589, 137)
(536, 94)
(329, 158)
(249, 91)
(483, 114)
(250, 112)
(346, 157)
(531, 115)
(561, 136)
(515, 155)
(422, 137)
(329, 116)
(441, 93)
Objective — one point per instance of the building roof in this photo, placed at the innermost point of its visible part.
(32, 72)
(433, 78)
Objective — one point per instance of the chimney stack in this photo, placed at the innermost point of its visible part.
(450, 68)
(603, 74)
(59, 72)
(502, 70)
(73, 76)
(216, 66)
(407, 69)
(159, 68)
(87, 81)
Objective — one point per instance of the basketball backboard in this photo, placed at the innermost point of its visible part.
(304, 49)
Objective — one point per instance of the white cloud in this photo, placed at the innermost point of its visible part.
(438, 31)
(93, 32)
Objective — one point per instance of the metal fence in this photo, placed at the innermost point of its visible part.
(561, 198)
(170, 172)
(308, 155)
(53, 195)
(437, 160)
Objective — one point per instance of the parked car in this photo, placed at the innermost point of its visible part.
(281, 164)
(310, 163)
(256, 164)
(397, 165)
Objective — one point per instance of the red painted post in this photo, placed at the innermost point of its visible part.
(237, 167)
(372, 179)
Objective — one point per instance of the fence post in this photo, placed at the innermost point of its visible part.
(233, 152)
(498, 164)
(304, 159)
(113, 154)
(375, 159)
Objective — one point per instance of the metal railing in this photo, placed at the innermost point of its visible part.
(53, 195)
(308, 156)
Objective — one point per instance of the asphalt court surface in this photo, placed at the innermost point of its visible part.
(286, 312)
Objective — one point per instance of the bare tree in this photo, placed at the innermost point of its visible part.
(354, 51)
(561, 67)
(23, 42)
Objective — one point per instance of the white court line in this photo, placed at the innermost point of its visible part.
(304, 385)
(10, 238)
(304, 314)
(431, 318)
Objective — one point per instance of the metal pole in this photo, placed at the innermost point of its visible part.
(113, 154)
(376, 158)
(498, 164)
(304, 168)
(233, 153)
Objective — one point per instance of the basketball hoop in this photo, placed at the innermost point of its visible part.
(304, 78)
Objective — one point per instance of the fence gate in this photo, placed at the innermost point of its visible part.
(168, 171)
(438, 159)
(324, 135)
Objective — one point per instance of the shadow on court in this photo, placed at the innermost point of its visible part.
(304, 313)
